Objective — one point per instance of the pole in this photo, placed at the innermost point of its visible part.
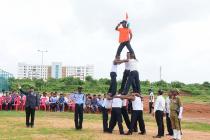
(160, 73)
(42, 53)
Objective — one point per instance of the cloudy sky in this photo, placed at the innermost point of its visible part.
(174, 34)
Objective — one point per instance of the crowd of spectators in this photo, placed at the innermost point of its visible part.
(53, 101)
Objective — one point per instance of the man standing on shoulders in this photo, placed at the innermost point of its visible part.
(159, 109)
(79, 99)
(32, 103)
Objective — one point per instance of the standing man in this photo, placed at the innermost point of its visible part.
(79, 99)
(105, 108)
(176, 109)
(32, 103)
(159, 109)
(125, 36)
(126, 74)
(168, 120)
(116, 116)
(137, 112)
(151, 100)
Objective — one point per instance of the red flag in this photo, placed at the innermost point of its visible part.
(126, 16)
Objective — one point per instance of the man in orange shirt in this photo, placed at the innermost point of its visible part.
(125, 37)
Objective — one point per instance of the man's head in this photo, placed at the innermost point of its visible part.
(31, 89)
(174, 93)
(160, 92)
(128, 55)
(124, 24)
(79, 89)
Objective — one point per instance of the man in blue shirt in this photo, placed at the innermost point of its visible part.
(79, 99)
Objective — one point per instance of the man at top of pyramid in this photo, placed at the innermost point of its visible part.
(125, 36)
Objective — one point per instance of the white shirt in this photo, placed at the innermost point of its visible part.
(117, 102)
(133, 64)
(168, 101)
(127, 66)
(124, 102)
(159, 103)
(107, 103)
(137, 104)
(151, 95)
(114, 68)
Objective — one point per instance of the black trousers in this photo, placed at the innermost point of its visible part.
(113, 83)
(137, 116)
(124, 80)
(150, 107)
(78, 116)
(159, 121)
(116, 117)
(30, 112)
(168, 122)
(105, 118)
(125, 116)
(133, 76)
(122, 45)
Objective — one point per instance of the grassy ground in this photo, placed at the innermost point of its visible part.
(56, 125)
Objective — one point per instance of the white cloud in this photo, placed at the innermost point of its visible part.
(173, 34)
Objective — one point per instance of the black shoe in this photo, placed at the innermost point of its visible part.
(142, 133)
(157, 136)
(122, 133)
(128, 133)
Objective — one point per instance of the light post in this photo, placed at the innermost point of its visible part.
(42, 53)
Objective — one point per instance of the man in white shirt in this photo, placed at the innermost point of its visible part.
(137, 112)
(116, 116)
(151, 100)
(168, 120)
(133, 76)
(159, 109)
(106, 105)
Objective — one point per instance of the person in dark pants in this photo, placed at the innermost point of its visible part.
(126, 74)
(151, 100)
(133, 76)
(116, 116)
(125, 113)
(159, 109)
(105, 108)
(125, 36)
(137, 112)
(32, 103)
(79, 99)
(168, 120)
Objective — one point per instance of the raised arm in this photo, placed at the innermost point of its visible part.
(118, 25)
(21, 91)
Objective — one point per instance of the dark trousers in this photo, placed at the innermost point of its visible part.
(116, 117)
(78, 116)
(133, 76)
(137, 116)
(113, 83)
(168, 122)
(124, 80)
(159, 121)
(30, 112)
(150, 107)
(125, 116)
(122, 45)
(105, 118)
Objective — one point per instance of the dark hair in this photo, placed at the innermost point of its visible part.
(160, 92)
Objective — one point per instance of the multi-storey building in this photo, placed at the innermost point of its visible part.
(4, 76)
(56, 70)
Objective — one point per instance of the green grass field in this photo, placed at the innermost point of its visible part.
(58, 125)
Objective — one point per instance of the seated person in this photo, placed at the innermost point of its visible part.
(94, 103)
(99, 103)
(53, 102)
(88, 103)
(61, 102)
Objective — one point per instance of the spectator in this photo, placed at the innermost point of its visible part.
(99, 103)
(94, 102)
(53, 102)
(88, 103)
(61, 101)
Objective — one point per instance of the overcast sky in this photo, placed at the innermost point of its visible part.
(172, 33)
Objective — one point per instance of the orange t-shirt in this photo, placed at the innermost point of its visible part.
(124, 34)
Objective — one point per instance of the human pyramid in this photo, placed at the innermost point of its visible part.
(118, 100)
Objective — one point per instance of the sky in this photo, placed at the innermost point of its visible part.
(172, 34)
